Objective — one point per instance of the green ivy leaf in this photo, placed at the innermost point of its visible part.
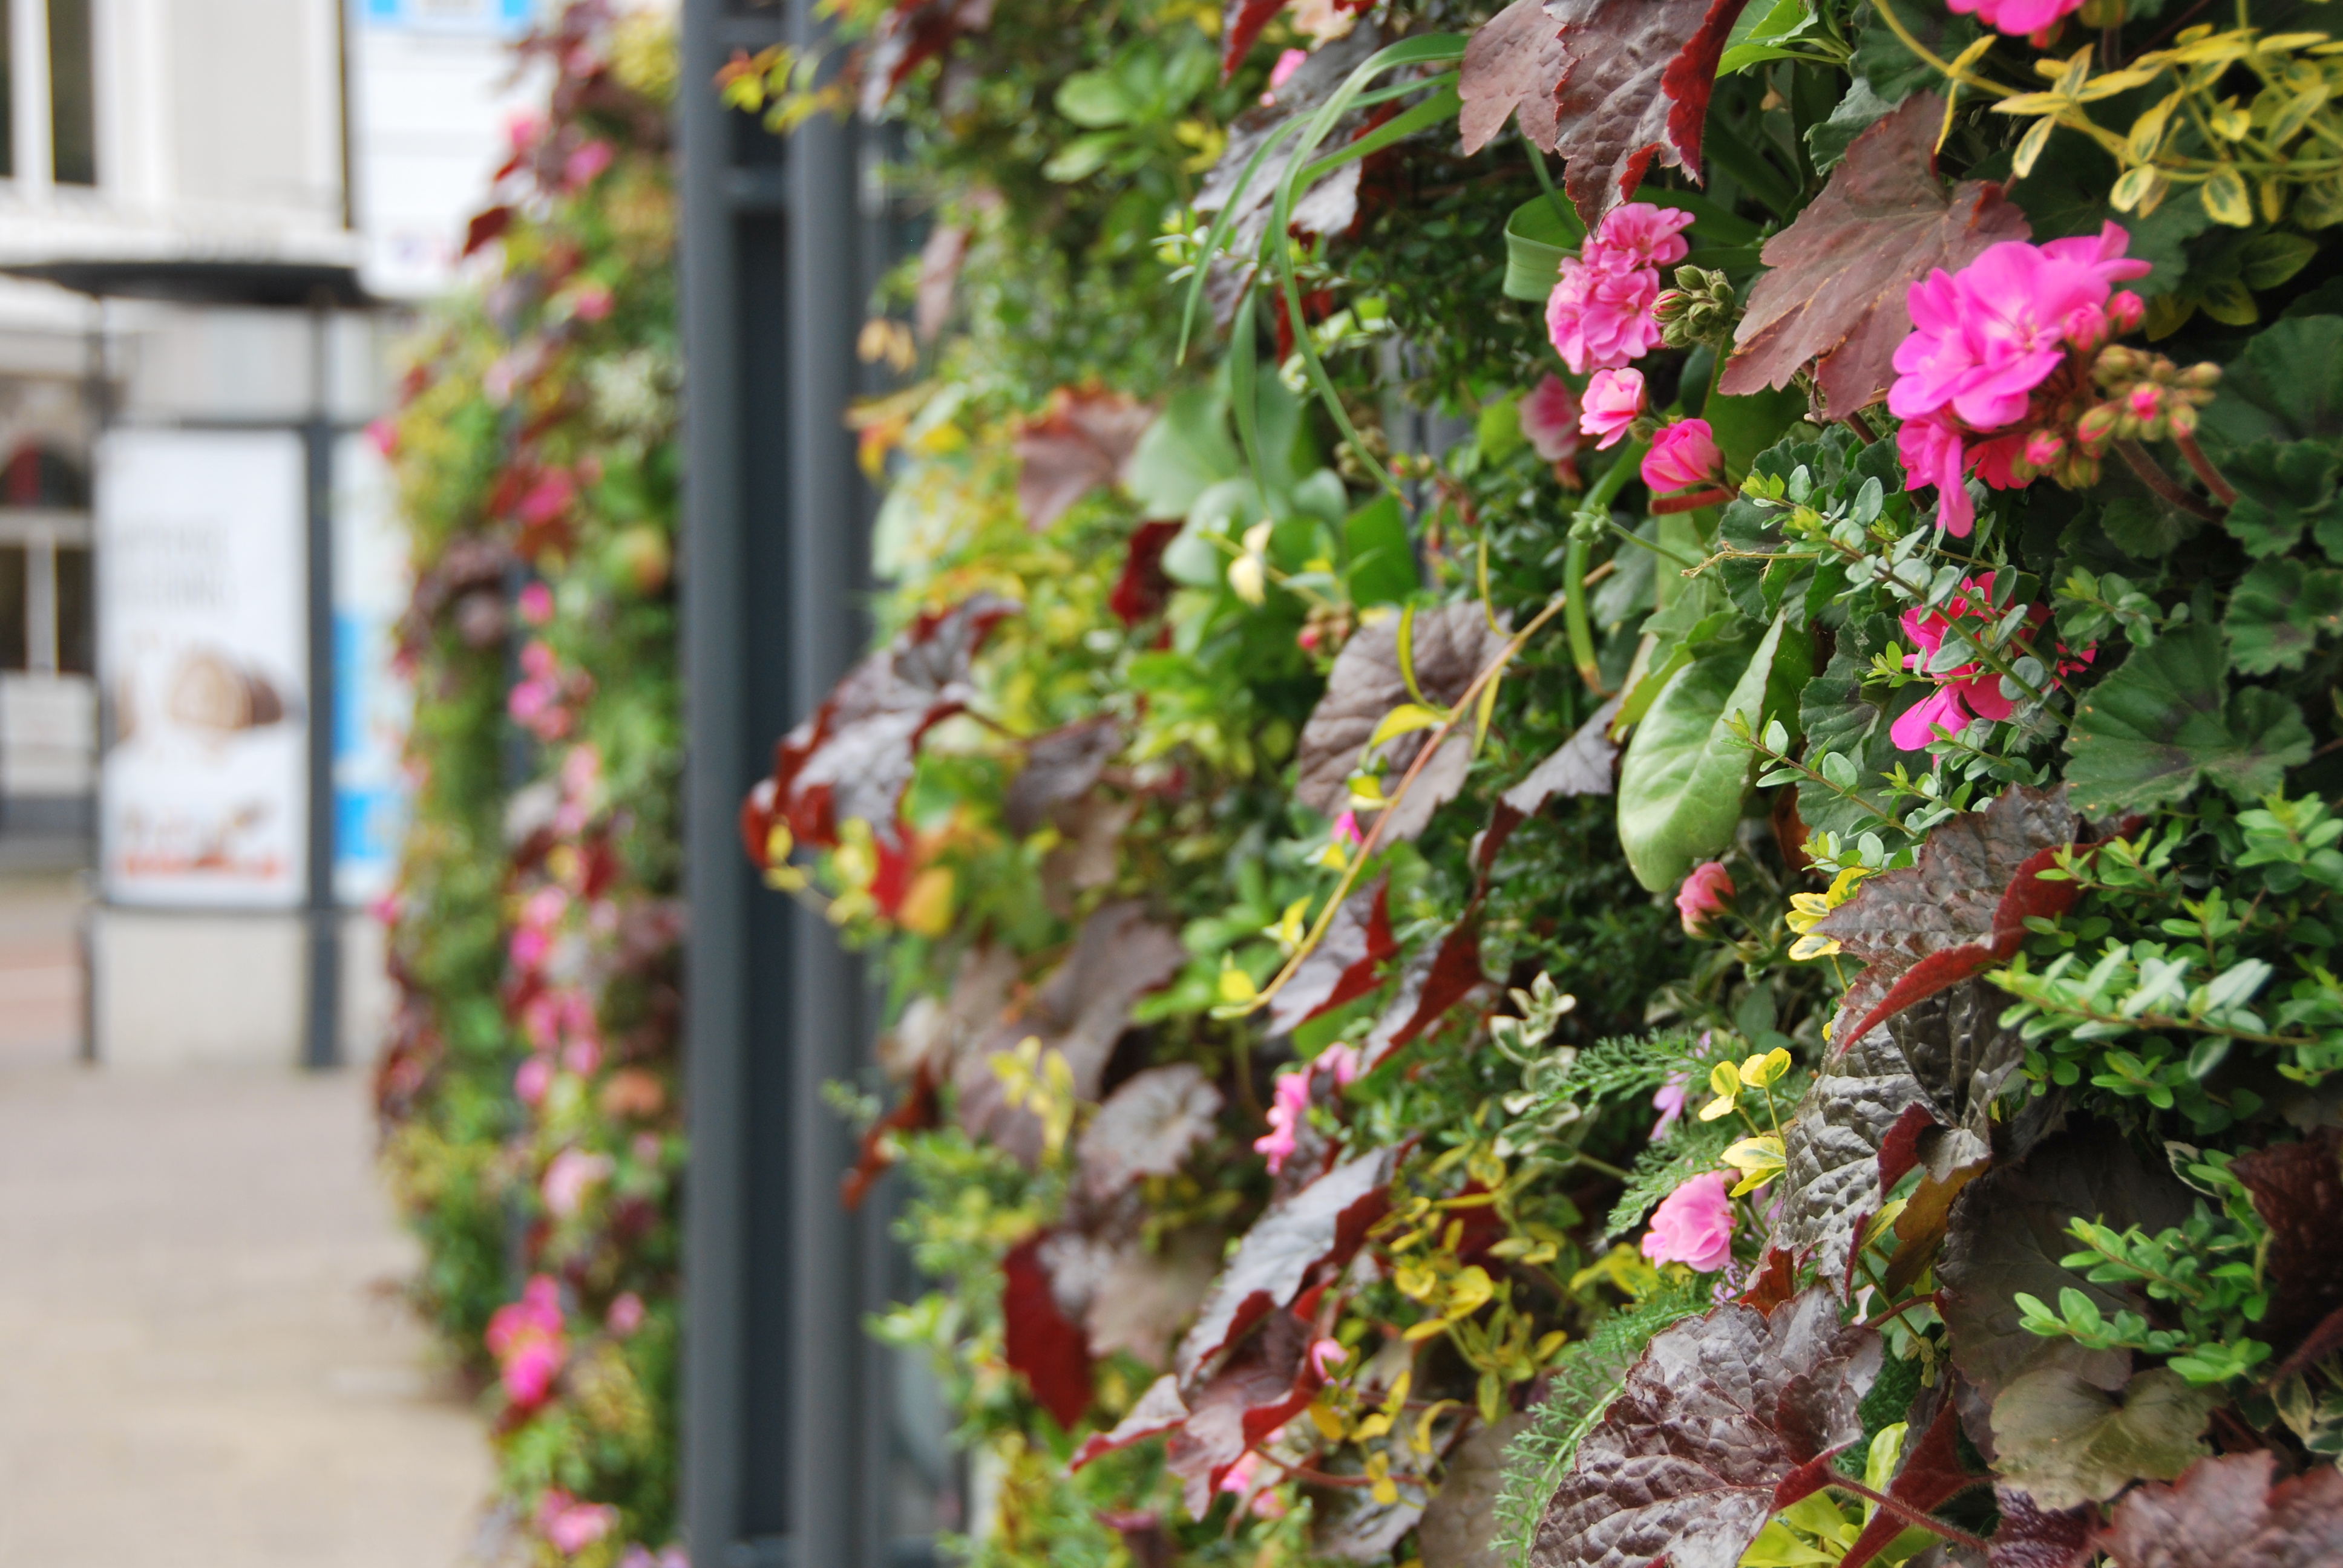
(2277, 612)
(2151, 732)
(1684, 775)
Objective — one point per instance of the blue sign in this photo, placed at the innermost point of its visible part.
(498, 18)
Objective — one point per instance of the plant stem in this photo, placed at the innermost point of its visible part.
(2151, 474)
(1581, 627)
(1911, 1516)
(2223, 491)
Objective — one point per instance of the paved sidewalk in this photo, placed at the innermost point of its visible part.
(200, 1364)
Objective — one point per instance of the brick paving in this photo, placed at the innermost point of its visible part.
(201, 1363)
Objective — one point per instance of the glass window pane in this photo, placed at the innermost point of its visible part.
(73, 109)
(13, 561)
(76, 612)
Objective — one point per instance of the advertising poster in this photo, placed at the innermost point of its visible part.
(371, 703)
(201, 560)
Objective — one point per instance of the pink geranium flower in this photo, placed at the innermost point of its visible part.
(1683, 455)
(1550, 419)
(527, 1339)
(1613, 398)
(572, 1526)
(1692, 1224)
(531, 1080)
(1599, 315)
(2015, 17)
(626, 1314)
(582, 166)
(1968, 692)
(571, 1175)
(536, 604)
(1705, 894)
(1287, 64)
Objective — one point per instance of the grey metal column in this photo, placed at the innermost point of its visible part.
(321, 1039)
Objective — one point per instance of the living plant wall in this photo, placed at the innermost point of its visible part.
(528, 1098)
(1731, 962)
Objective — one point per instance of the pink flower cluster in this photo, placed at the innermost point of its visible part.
(1694, 1224)
(1613, 399)
(571, 1526)
(1599, 315)
(2032, 18)
(569, 1176)
(540, 702)
(1683, 455)
(1984, 343)
(1291, 1103)
(1971, 691)
(527, 1339)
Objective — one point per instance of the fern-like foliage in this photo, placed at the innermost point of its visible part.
(1582, 1386)
(1691, 1147)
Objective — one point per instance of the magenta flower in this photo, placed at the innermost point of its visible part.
(1287, 64)
(527, 1339)
(1669, 1101)
(1692, 1224)
(1288, 1106)
(1599, 315)
(570, 1175)
(583, 166)
(1613, 398)
(1705, 894)
(531, 1080)
(1639, 234)
(1970, 690)
(536, 604)
(572, 1526)
(1684, 454)
(2015, 17)
(383, 436)
(1340, 1062)
(1327, 1356)
(1346, 829)
(1550, 419)
(1932, 452)
(547, 499)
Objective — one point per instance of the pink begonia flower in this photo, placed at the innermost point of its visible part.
(528, 947)
(1287, 1108)
(584, 165)
(1704, 894)
(1669, 1101)
(531, 1080)
(1971, 691)
(1692, 1224)
(582, 1056)
(2015, 17)
(1550, 419)
(571, 1175)
(1684, 454)
(538, 661)
(536, 604)
(526, 1337)
(1599, 315)
(572, 1526)
(591, 301)
(1327, 1355)
(1613, 398)
(1287, 64)
(626, 1314)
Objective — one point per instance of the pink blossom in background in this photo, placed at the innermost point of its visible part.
(1613, 398)
(1346, 829)
(531, 1080)
(536, 661)
(1287, 1106)
(1683, 455)
(1550, 419)
(383, 436)
(570, 1175)
(1287, 64)
(572, 1526)
(626, 1314)
(646, 1148)
(548, 498)
(2015, 17)
(536, 604)
(1600, 313)
(527, 1339)
(1341, 1062)
(528, 947)
(582, 1056)
(1706, 893)
(1692, 1224)
(1669, 1101)
(1327, 1355)
(522, 130)
(591, 301)
(583, 166)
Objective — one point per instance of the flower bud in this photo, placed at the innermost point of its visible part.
(2097, 424)
(2127, 311)
(2205, 376)
(2042, 446)
(2145, 401)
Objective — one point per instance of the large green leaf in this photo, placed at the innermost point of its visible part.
(1183, 454)
(2164, 723)
(1684, 775)
(2277, 612)
(1541, 231)
(2067, 1441)
(1383, 559)
(2288, 385)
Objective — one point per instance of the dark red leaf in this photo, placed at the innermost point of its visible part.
(1450, 646)
(1725, 1420)
(1240, 23)
(1839, 274)
(1345, 964)
(1434, 981)
(1144, 588)
(1512, 62)
(1058, 767)
(1320, 1226)
(1146, 1128)
(1775, 1282)
(485, 227)
(1159, 1411)
(2032, 1537)
(1265, 1384)
(913, 32)
(2297, 1189)
(1037, 1339)
(1634, 86)
(1837, 1151)
(853, 758)
(1930, 1476)
(915, 1110)
(1081, 442)
(1586, 764)
(2225, 1514)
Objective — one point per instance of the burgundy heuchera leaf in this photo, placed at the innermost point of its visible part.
(1636, 82)
(1037, 1340)
(1512, 63)
(1725, 1420)
(1344, 965)
(2225, 1514)
(1839, 274)
(1081, 442)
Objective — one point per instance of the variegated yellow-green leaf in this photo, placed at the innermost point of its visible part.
(2148, 131)
(2134, 186)
(2226, 200)
(1405, 719)
(2030, 148)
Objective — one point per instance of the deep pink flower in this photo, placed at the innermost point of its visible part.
(548, 498)
(526, 1337)
(1705, 894)
(536, 604)
(571, 1175)
(1550, 419)
(626, 1314)
(1669, 1101)
(1288, 1106)
(591, 301)
(1327, 1355)
(1694, 1224)
(1340, 1062)
(2017, 18)
(1287, 64)
(584, 165)
(1599, 319)
(1638, 234)
(531, 1080)
(1684, 454)
(383, 436)
(1933, 454)
(1613, 398)
(1346, 829)
(572, 1526)
(1971, 691)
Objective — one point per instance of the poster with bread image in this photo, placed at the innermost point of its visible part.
(202, 614)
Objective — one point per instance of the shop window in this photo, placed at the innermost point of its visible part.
(73, 107)
(76, 611)
(16, 578)
(38, 476)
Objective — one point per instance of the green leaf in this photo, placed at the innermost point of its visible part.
(2283, 487)
(1744, 426)
(1683, 776)
(2288, 385)
(1541, 232)
(1838, 719)
(2269, 259)
(2277, 612)
(1082, 157)
(2139, 522)
(1383, 558)
(1095, 101)
(1756, 37)
(2067, 1442)
(2156, 729)
(1894, 71)
(1184, 453)
(1857, 112)
(1499, 428)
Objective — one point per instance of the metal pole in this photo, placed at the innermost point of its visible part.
(716, 889)
(321, 1041)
